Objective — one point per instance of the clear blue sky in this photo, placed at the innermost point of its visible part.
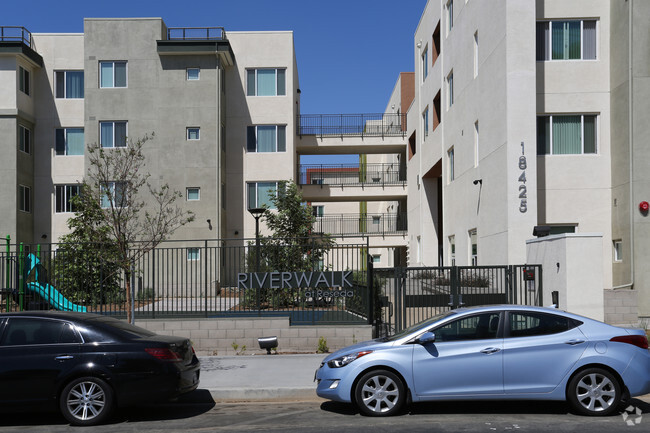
(349, 52)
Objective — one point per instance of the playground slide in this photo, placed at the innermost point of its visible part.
(54, 297)
(47, 292)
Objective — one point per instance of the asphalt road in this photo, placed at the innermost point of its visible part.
(201, 414)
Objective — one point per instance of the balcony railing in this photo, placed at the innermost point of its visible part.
(352, 125)
(15, 33)
(356, 224)
(378, 174)
(196, 33)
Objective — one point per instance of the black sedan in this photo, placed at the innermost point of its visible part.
(89, 364)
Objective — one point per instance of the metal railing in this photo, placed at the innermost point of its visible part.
(361, 225)
(196, 33)
(378, 174)
(197, 279)
(356, 125)
(16, 33)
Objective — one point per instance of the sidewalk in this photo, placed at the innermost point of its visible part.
(260, 377)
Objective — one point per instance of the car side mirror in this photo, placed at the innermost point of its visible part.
(427, 338)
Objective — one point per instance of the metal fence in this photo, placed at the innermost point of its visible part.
(15, 34)
(189, 279)
(358, 224)
(196, 33)
(410, 295)
(372, 174)
(358, 125)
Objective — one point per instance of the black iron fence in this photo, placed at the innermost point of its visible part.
(196, 33)
(371, 174)
(410, 295)
(15, 34)
(359, 125)
(192, 279)
(359, 224)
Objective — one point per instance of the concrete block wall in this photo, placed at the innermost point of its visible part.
(216, 336)
(621, 307)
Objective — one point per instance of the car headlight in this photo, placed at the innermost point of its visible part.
(346, 359)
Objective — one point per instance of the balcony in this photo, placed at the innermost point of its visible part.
(16, 34)
(197, 41)
(18, 40)
(372, 174)
(196, 34)
(352, 125)
(361, 225)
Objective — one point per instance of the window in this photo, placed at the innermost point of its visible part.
(452, 250)
(260, 193)
(436, 111)
(193, 133)
(266, 82)
(435, 45)
(24, 139)
(566, 40)
(567, 134)
(113, 195)
(376, 258)
(450, 89)
(69, 141)
(193, 254)
(618, 250)
(112, 134)
(24, 84)
(27, 331)
(425, 122)
(479, 327)
(69, 84)
(266, 138)
(473, 247)
(376, 220)
(193, 194)
(63, 197)
(24, 198)
(419, 249)
(476, 144)
(450, 164)
(475, 54)
(450, 15)
(112, 74)
(193, 74)
(425, 63)
(318, 211)
(528, 324)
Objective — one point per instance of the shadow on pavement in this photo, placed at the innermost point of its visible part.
(186, 406)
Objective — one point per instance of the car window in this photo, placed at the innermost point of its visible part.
(477, 327)
(29, 331)
(528, 323)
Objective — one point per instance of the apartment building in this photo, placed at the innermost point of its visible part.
(526, 113)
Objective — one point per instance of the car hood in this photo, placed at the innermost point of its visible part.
(377, 344)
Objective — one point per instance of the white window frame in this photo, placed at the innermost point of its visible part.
(193, 128)
(111, 186)
(425, 62)
(318, 210)
(450, 15)
(194, 254)
(113, 122)
(277, 138)
(376, 258)
(476, 144)
(452, 250)
(24, 198)
(113, 86)
(476, 54)
(450, 89)
(24, 139)
(451, 164)
(187, 74)
(193, 188)
(257, 201)
(618, 250)
(65, 87)
(24, 81)
(65, 139)
(549, 41)
(473, 257)
(255, 91)
(68, 193)
(425, 122)
(582, 133)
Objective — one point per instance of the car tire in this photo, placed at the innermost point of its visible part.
(594, 392)
(380, 393)
(86, 401)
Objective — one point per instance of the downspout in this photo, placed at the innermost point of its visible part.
(631, 147)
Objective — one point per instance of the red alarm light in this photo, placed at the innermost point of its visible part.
(644, 206)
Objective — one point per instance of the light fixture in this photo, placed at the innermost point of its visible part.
(478, 181)
(419, 44)
(268, 343)
(209, 224)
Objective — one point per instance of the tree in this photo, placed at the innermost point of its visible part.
(292, 245)
(114, 184)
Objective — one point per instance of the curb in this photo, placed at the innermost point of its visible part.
(264, 394)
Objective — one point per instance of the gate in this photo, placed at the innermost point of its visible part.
(407, 296)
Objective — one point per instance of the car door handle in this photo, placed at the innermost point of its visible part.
(574, 342)
(490, 350)
(64, 357)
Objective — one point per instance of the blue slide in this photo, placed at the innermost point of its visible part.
(49, 293)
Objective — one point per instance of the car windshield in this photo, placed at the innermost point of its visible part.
(420, 325)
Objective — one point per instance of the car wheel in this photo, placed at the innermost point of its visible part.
(380, 393)
(86, 401)
(594, 391)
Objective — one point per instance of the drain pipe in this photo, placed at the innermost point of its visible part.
(631, 147)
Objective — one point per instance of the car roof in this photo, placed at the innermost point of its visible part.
(62, 315)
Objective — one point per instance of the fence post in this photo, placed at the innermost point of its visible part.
(371, 295)
(205, 276)
(454, 287)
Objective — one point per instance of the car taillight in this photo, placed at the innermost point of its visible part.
(635, 340)
(163, 354)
